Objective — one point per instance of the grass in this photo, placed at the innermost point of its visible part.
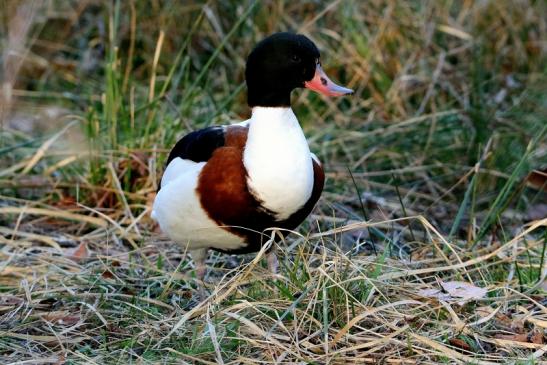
(428, 181)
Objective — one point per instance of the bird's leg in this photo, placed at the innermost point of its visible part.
(199, 257)
(273, 264)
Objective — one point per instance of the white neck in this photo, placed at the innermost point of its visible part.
(278, 161)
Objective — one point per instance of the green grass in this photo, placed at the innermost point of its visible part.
(426, 183)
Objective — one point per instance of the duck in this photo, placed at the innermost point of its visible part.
(224, 187)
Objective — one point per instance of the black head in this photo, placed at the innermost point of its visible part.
(277, 65)
(281, 63)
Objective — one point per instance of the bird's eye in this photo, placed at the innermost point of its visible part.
(295, 58)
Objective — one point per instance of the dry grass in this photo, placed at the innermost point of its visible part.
(427, 185)
(115, 304)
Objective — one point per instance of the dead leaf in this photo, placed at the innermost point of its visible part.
(463, 290)
(107, 274)
(79, 253)
(435, 293)
(537, 179)
(458, 291)
(135, 167)
(67, 202)
(63, 318)
(537, 337)
(518, 337)
(150, 198)
(7, 299)
(61, 360)
(459, 343)
(504, 319)
(517, 326)
(531, 337)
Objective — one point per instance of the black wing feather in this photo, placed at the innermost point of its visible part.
(198, 146)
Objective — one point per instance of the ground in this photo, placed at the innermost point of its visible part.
(427, 246)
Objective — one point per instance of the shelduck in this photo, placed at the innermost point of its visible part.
(223, 186)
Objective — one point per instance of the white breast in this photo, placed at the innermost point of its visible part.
(278, 161)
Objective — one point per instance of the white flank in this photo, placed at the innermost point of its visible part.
(178, 211)
(278, 161)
